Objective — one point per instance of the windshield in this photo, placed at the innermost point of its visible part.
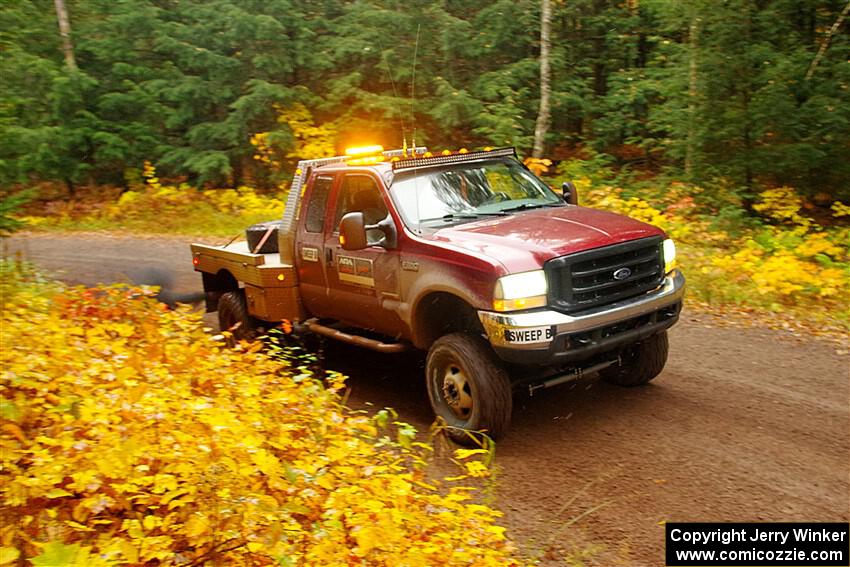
(468, 191)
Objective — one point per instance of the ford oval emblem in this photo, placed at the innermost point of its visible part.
(622, 274)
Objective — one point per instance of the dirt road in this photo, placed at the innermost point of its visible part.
(743, 425)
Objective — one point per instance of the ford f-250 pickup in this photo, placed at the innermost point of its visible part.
(469, 256)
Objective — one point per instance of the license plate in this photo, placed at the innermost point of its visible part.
(530, 335)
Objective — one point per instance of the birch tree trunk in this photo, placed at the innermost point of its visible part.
(544, 114)
(65, 33)
(825, 44)
(693, 93)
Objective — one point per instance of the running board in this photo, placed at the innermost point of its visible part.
(571, 376)
(372, 344)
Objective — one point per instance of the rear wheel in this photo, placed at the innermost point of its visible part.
(233, 317)
(640, 362)
(468, 387)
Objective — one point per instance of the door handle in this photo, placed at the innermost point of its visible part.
(329, 257)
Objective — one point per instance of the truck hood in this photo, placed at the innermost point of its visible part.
(525, 240)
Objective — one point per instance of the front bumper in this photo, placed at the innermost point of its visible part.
(547, 337)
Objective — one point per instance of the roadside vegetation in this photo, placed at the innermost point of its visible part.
(130, 436)
(776, 258)
(785, 256)
(153, 207)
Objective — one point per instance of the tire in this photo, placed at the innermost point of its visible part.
(233, 317)
(468, 387)
(640, 362)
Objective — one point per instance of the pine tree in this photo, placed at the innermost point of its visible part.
(753, 91)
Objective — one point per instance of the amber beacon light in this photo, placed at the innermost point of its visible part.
(364, 151)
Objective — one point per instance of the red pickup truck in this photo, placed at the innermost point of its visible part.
(469, 256)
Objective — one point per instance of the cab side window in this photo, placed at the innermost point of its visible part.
(360, 193)
(315, 221)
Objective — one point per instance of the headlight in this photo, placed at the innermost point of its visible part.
(669, 250)
(520, 291)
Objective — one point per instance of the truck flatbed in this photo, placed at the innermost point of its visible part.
(271, 286)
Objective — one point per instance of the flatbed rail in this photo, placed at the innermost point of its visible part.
(232, 253)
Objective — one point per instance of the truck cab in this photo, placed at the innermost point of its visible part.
(467, 256)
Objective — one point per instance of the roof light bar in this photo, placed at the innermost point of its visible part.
(400, 154)
(366, 160)
(364, 151)
(412, 163)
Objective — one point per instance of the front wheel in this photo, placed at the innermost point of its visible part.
(468, 387)
(640, 362)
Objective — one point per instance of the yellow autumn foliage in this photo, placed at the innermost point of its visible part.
(782, 204)
(131, 437)
(792, 263)
(539, 166)
(308, 140)
(157, 208)
(172, 200)
(158, 200)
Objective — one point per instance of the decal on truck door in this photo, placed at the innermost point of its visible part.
(310, 254)
(355, 270)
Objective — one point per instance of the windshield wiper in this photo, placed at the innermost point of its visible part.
(527, 206)
(469, 215)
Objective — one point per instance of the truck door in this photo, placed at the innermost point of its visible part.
(362, 284)
(310, 244)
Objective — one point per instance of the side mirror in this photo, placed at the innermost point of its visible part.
(352, 232)
(570, 192)
(387, 226)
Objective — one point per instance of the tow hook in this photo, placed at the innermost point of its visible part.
(575, 374)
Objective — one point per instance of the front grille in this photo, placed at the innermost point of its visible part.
(586, 279)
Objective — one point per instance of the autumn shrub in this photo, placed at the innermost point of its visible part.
(783, 261)
(156, 207)
(131, 437)
(186, 210)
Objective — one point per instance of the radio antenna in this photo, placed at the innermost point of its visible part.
(413, 125)
(413, 91)
(395, 95)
